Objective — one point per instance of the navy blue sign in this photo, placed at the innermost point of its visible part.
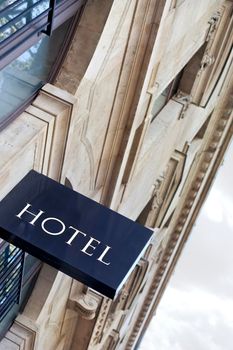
(72, 233)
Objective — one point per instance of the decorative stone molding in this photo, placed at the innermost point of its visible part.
(184, 99)
(86, 306)
(55, 107)
(214, 21)
(100, 322)
(210, 151)
(206, 61)
(219, 39)
(22, 334)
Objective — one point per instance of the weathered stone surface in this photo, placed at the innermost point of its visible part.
(104, 140)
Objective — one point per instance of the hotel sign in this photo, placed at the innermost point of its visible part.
(72, 233)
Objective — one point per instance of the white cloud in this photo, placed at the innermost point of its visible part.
(191, 321)
(219, 207)
(213, 208)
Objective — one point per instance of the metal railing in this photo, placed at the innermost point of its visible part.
(11, 275)
(16, 16)
(24, 22)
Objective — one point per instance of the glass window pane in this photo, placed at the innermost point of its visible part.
(160, 102)
(29, 72)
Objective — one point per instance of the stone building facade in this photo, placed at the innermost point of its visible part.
(138, 117)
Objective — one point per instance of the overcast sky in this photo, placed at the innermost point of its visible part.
(196, 311)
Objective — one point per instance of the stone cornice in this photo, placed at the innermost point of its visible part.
(218, 136)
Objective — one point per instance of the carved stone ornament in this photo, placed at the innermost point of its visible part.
(207, 61)
(214, 20)
(86, 306)
(184, 99)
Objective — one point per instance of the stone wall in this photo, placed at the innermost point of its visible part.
(139, 118)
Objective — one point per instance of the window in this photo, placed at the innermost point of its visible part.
(11, 270)
(18, 272)
(24, 76)
(166, 95)
(23, 22)
(29, 58)
(145, 131)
